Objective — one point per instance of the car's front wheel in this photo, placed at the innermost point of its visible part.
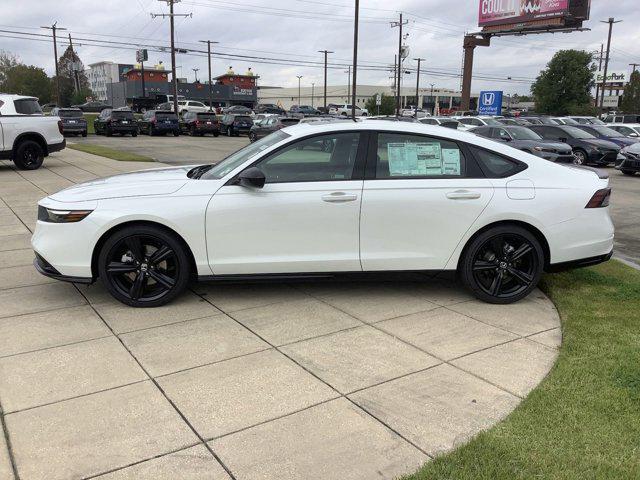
(579, 157)
(144, 266)
(503, 264)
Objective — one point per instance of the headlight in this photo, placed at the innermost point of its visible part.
(55, 215)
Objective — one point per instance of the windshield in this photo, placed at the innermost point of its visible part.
(522, 133)
(606, 131)
(69, 113)
(576, 132)
(236, 159)
(596, 121)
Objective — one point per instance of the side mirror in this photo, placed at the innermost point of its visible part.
(252, 177)
(634, 135)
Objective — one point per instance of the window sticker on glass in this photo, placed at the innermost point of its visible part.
(414, 159)
(450, 161)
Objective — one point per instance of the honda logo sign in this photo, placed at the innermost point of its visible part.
(490, 103)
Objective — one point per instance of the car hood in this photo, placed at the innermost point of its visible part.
(596, 142)
(162, 181)
(559, 146)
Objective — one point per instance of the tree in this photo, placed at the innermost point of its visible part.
(565, 85)
(7, 61)
(631, 99)
(72, 77)
(388, 106)
(27, 80)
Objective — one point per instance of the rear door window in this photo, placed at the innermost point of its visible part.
(27, 106)
(496, 166)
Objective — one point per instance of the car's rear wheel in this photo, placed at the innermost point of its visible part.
(144, 266)
(29, 155)
(253, 137)
(503, 264)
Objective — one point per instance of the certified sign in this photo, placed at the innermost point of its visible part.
(490, 103)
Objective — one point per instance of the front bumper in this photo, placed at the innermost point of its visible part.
(629, 164)
(600, 158)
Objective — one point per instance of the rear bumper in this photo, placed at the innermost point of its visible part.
(45, 268)
(56, 147)
(580, 263)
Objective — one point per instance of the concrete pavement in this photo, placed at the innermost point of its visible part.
(307, 380)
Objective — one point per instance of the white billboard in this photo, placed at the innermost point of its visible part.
(611, 101)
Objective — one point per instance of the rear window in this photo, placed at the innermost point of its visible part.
(122, 115)
(166, 116)
(207, 116)
(27, 106)
(496, 166)
(69, 113)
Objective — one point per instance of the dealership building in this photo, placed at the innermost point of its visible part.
(446, 99)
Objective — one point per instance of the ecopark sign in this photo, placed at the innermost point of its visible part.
(612, 77)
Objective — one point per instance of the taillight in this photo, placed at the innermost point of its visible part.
(60, 128)
(600, 199)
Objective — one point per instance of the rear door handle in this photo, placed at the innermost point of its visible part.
(463, 195)
(339, 197)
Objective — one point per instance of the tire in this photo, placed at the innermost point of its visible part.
(510, 275)
(84, 134)
(176, 133)
(134, 134)
(29, 155)
(628, 172)
(152, 131)
(252, 137)
(216, 134)
(128, 270)
(192, 131)
(580, 157)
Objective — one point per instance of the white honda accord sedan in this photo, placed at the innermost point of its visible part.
(321, 200)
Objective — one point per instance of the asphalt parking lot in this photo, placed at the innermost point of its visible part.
(348, 380)
(626, 214)
(182, 150)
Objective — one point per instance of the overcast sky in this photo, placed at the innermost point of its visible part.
(297, 29)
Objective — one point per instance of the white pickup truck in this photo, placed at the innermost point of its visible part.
(26, 135)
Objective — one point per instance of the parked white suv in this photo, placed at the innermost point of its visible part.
(191, 106)
(345, 110)
(26, 134)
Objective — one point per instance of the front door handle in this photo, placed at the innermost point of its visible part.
(339, 197)
(463, 195)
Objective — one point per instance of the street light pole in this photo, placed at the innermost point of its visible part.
(348, 72)
(209, 42)
(418, 83)
(611, 21)
(299, 78)
(355, 60)
(399, 72)
(313, 92)
(195, 72)
(433, 110)
(326, 52)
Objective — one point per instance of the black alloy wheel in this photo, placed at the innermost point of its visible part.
(29, 155)
(144, 266)
(503, 265)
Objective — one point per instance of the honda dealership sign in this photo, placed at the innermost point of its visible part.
(490, 103)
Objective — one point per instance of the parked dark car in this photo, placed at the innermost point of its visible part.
(159, 122)
(587, 149)
(539, 120)
(630, 165)
(73, 121)
(238, 110)
(606, 133)
(270, 108)
(527, 140)
(235, 125)
(116, 121)
(304, 110)
(270, 125)
(514, 121)
(94, 107)
(198, 124)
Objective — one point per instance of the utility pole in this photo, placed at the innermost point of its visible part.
(433, 99)
(399, 66)
(299, 78)
(195, 73)
(76, 80)
(419, 60)
(348, 72)
(53, 29)
(599, 70)
(634, 66)
(326, 52)
(355, 60)
(313, 92)
(611, 21)
(171, 16)
(209, 42)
